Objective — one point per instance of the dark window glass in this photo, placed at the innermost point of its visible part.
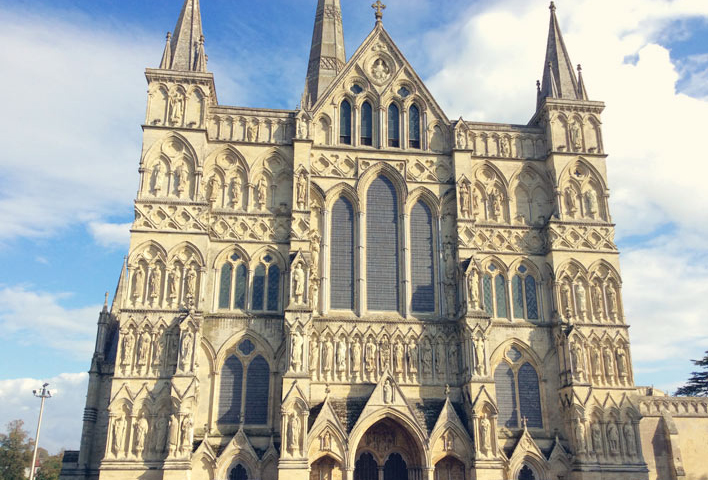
(225, 286)
(382, 246)
(257, 386)
(531, 300)
(230, 391)
(414, 127)
(530, 396)
(500, 291)
(273, 288)
(246, 347)
(367, 124)
(238, 473)
(345, 123)
(423, 297)
(259, 287)
(506, 395)
(488, 298)
(366, 468)
(394, 126)
(526, 473)
(342, 256)
(240, 287)
(517, 296)
(395, 468)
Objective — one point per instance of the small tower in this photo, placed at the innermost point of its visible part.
(327, 55)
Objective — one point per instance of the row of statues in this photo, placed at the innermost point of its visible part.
(602, 364)
(489, 206)
(581, 205)
(152, 353)
(605, 441)
(233, 196)
(159, 286)
(151, 437)
(501, 144)
(177, 182)
(603, 301)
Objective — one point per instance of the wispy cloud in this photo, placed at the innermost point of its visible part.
(110, 235)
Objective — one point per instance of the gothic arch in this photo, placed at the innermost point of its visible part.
(269, 250)
(221, 257)
(227, 156)
(499, 354)
(388, 171)
(426, 196)
(186, 248)
(169, 150)
(231, 344)
(140, 254)
(342, 190)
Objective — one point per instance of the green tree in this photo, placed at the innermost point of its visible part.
(697, 385)
(50, 467)
(15, 451)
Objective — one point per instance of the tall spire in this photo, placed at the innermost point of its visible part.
(327, 55)
(186, 50)
(559, 79)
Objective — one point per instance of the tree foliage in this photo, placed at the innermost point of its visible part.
(697, 385)
(50, 467)
(15, 451)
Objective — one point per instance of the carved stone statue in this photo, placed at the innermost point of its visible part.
(385, 354)
(262, 193)
(380, 71)
(427, 357)
(298, 283)
(314, 355)
(158, 349)
(141, 430)
(314, 293)
(595, 362)
(370, 356)
(412, 356)
(327, 441)
(294, 435)
(566, 299)
(475, 203)
(461, 140)
(138, 284)
(356, 356)
(118, 435)
(575, 135)
(172, 286)
(576, 354)
(579, 431)
(597, 301)
(504, 147)
(157, 179)
(181, 180)
(609, 363)
(479, 367)
(315, 251)
(613, 439)
(495, 204)
(387, 392)
(191, 283)
(176, 108)
(297, 344)
(622, 363)
(612, 301)
(186, 351)
(571, 203)
(161, 428)
(186, 434)
(485, 435)
(630, 439)
(341, 357)
(440, 358)
(591, 202)
(465, 200)
(127, 348)
(581, 297)
(301, 190)
(155, 281)
(398, 357)
(473, 287)
(213, 189)
(597, 439)
(250, 133)
(144, 348)
(236, 191)
(327, 357)
(454, 355)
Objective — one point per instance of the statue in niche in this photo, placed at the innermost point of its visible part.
(380, 71)
(298, 283)
(465, 200)
(326, 442)
(186, 434)
(485, 437)
(262, 193)
(158, 349)
(479, 366)
(143, 348)
(180, 176)
(301, 190)
(566, 299)
(172, 286)
(412, 357)
(592, 203)
(622, 363)
(297, 344)
(314, 293)
(118, 434)
(191, 283)
(575, 135)
(314, 355)
(581, 298)
(473, 284)
(370, 356)
(327, 357)
(138, 283)
(155, 280)
(595, 362)
(427, 357)
(301, 129)
(315, 250)
(461, 140)
(454, 358)
(173, 348)
(173, 436)
(341, 357)
(571, 203)
(294, 435)
(440, 358)
(449, 441)
(236, 191)
(127, 347)
(250, 133)
(613, 438)
(630, 439)
(495, 204)
(450, 299)
(609, 363)
(157, 179)
(612, 301)
(505, 147)
(596, 439)
(162, 427)
(186, 351)
(356, 356)
(597, 301)
(213, 188)
(141, 430)
(385, 355)
(388, 392)
(450, 267)
(398, 357)
(579, 431)
(176, 108)
(576, 355)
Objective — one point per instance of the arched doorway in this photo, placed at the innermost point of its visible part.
(238, 473)
(366, 468)
(395, 468)
(326, 468)
(449, 468)
(388, 451)
(526, 473)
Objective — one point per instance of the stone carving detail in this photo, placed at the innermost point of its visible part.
(180, 218)
(429, 170)
(118, 433)
(296, 352)
(250, 228)
(334, 166)
(380, 71)
(294, 434)
(298, 288)
(579, 434)
(485, 435)
(301, 191)
(501, 240)
(140, 435)
(581, 238)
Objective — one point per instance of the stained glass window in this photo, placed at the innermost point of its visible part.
(414, 127)
(488, 297)
(257, 386)
(225, 285)
(500, 291)
(394, 126)
(230, 391)
(342, 256)
(530, 396)
(506, 395)
(423, 297)
(345, 123)
(382, 246)
(367, 124)
(259, 288)
(517, 296)
(240, 287)
(273, 288)
(531, 300)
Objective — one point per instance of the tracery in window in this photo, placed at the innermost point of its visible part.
(233, 280)
(524, 293)
(414, 127)
(367, 124)
(422, 277)
(244, 388)
(266, 286)
(494, 292)
(394, 126)
(382, 273)
(518, 391)
(345, 123)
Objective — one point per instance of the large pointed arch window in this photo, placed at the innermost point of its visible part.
(342, 256)
(422, 277)
(524, 294)
(494, 291)
(382, 288)
(367, 124)
(233, 282)
(394, 126)
(266, 286)
(345, 123)
(413, 127)
(244, 388)
(518, 391)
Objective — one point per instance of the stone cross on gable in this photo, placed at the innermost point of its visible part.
(379, 7)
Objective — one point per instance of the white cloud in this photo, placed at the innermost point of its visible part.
(61, 423)
(37, 318)
(70, 120)
(111, 234)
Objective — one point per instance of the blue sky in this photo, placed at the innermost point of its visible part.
(72, 139)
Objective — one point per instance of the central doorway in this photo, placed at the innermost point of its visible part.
(388, 451)
(395, 468)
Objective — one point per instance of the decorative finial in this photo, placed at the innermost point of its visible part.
(447, 390)
(552, 7)
(580, 68)
(538, 85)
(169, 36)
(327, 389)
(524, 422)
(379, 7)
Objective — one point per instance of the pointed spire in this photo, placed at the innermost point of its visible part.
(166, 61)
(186, 49)
(582, 93)
(327, 55)
(559, 79)
(120, 288)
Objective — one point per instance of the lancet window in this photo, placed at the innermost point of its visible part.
(518, 391)
(345, 123)
(244, 389)
(524, 294)
(367, 125)
(394, 126)
(342, 256)
(494, 289)
(413, 127)
(266, 286)
(382, 250)
(233, 284)
(422, 277)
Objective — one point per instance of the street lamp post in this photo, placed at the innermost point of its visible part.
(43, 394)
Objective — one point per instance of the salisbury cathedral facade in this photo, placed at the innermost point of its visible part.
(365, 289)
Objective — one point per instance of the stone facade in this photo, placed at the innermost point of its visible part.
(365, 289)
